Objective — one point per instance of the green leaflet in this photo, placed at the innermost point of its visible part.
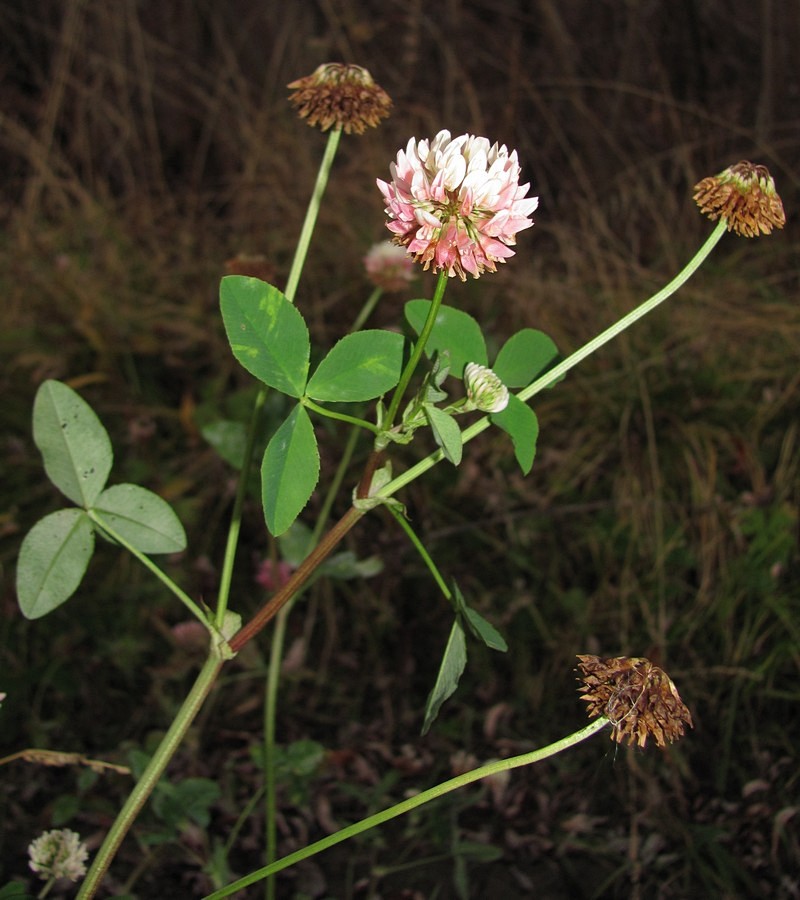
(450, 670)
(142, 518)
(289, 471)
(75, 446)
(267, 333)
(360, 366)
(52, 561)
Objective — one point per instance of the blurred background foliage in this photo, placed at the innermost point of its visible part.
(145, 145)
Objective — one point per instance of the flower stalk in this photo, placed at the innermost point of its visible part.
(277, 641)
(412, 803)
(419, 349)
(312, 212)
(476, 428)
(232, 540)
(220, 649)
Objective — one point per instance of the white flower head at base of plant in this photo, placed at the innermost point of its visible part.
(59, 853)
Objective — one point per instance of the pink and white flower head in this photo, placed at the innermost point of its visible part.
(388, 266)
(457, 204)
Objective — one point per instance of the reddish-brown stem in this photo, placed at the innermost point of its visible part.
(298, 578)
(373, 463)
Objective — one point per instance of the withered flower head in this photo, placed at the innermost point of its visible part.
(637, 697)
(340, 96)
(745, 195)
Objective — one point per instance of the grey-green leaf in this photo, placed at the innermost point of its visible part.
(142, 518)
(75, 446)
(52, 561)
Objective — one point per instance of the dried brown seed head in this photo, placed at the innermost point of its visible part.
(340, 96)
(745, 195)
(637, 697)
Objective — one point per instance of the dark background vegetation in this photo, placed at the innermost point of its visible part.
(143, 144)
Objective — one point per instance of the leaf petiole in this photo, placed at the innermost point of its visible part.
(148, 563)
(342, 417)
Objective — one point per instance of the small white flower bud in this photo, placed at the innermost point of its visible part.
(484, 389)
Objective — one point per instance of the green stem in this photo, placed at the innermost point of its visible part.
(419, 349)
(232, 542)
(626, 321)
(342, 417)
(155, 768)
(439, 790)
(270, 729)
(298, 262)
(311, 213)
(403, 522)
(274, 671)
(149, 564)
(570, 362)
(210, 670)
(366, 310)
